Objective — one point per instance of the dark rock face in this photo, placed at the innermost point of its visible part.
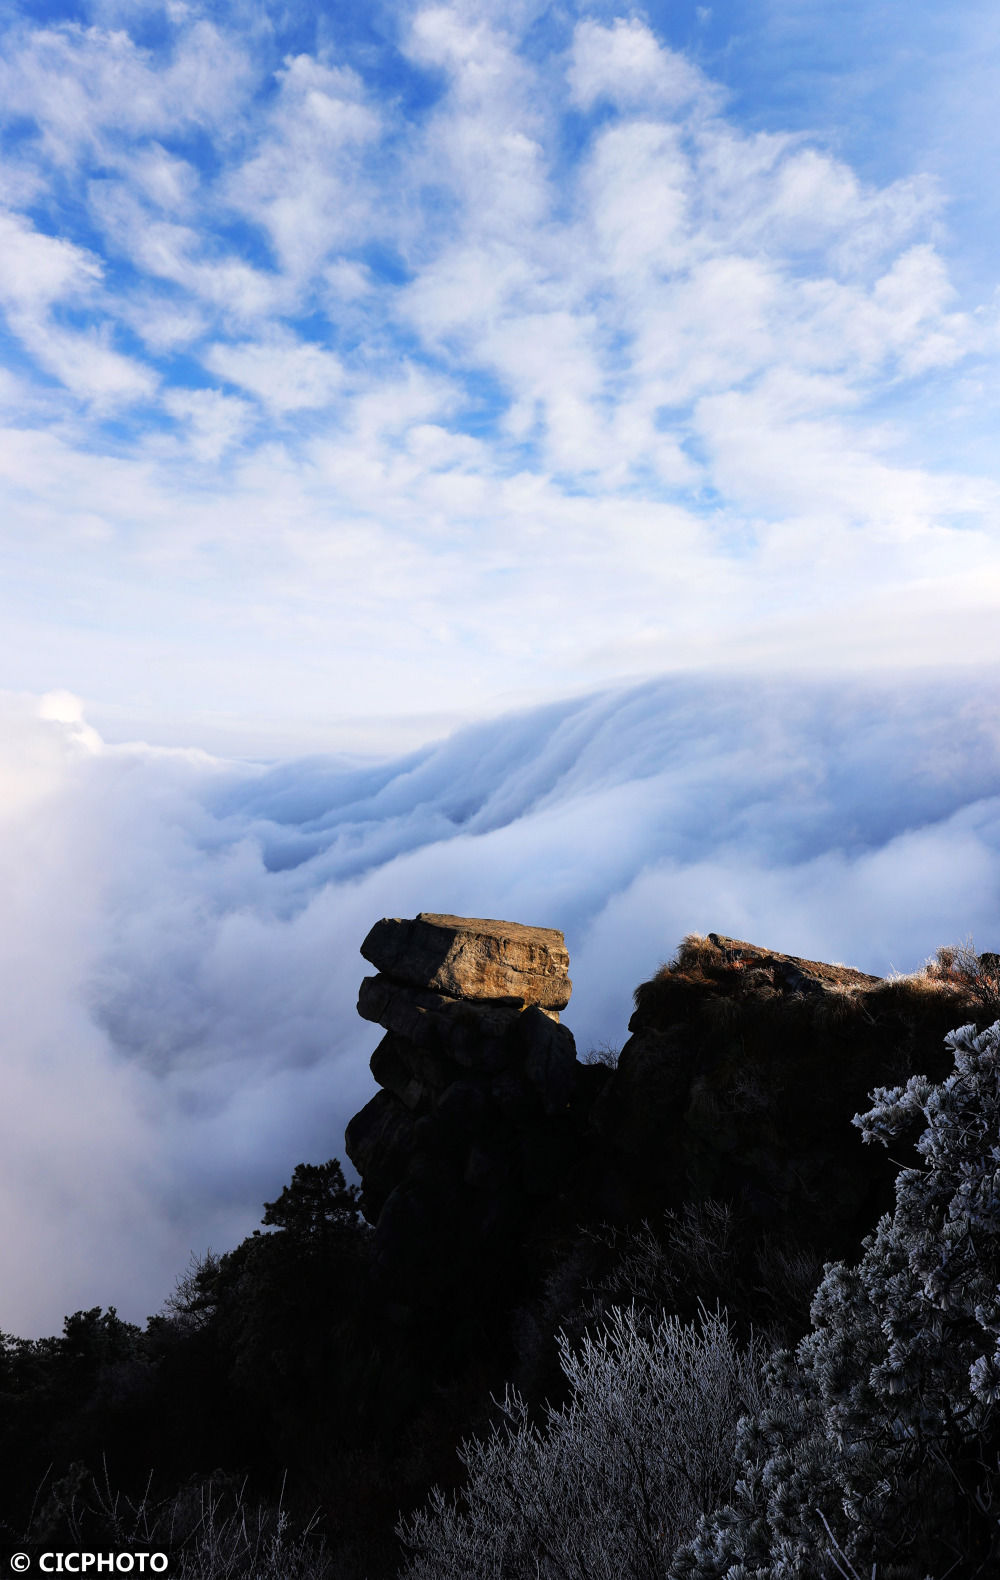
(476, 1121)
(743, 1072)
(380, 1142)
(738, 1083)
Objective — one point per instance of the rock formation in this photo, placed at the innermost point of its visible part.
(741, 1076)
(738, 1083)
(473, 958)
(477, 1117)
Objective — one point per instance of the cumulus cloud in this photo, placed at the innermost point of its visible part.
(180, 957)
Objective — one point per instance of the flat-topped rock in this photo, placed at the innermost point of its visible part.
(473, 957)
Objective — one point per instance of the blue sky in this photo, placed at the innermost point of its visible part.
(369, 370)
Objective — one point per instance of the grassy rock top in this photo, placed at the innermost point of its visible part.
(746, 1065)
(790, 990)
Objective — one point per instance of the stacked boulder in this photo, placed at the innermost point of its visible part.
(475, 1122)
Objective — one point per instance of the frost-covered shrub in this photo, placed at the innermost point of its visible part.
(604, 1487)
(884, 1446)
(210, 1529)
(706, 1251)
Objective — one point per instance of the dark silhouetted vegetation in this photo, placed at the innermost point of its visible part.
(683, 1394)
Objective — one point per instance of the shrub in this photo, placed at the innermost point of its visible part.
(705, 1251)
(604, 1053)
(209, 1529)
(606, 1485)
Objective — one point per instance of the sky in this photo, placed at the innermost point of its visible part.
(521, 460)
(369, 369)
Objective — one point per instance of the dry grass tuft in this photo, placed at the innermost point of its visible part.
(954, 971)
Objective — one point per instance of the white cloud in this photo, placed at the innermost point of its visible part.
(626, 64)
(637, 186)
(776, 192)
(162, 322)
(484, 144)
(37, 273)
(475, 51)
(306, 183)
(163, 179)
(548, 359)
(37, 270)
(86, 363)
(508, 399)
(215, 277)
(179, 961)
(770, 454)
(215, 422)
(467, 286)
(80, 85)
(284, 374)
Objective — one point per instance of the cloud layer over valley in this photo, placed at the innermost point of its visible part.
(179, 961)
